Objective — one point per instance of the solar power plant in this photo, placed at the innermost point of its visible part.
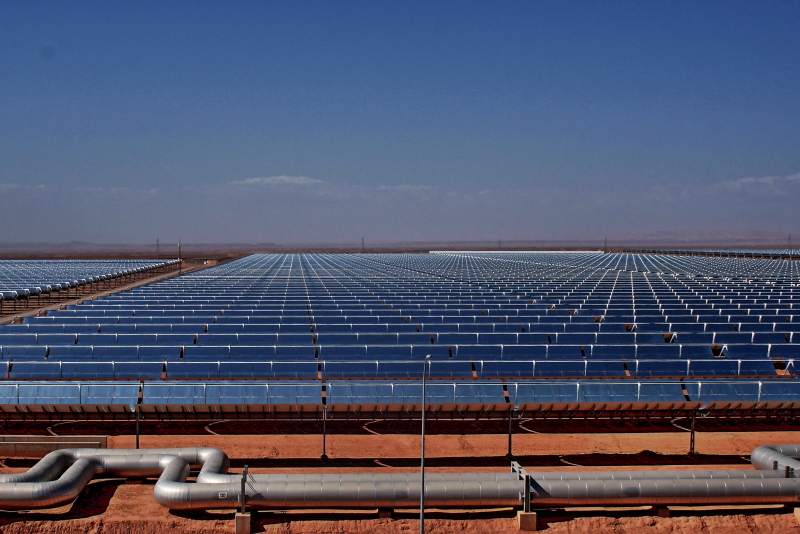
(21, 278)
(299, 334)
(773, 253)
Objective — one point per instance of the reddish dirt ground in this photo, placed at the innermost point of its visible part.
(116, 506)
(467, 446)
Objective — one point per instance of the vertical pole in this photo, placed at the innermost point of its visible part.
(137, 426)
(510, 444)
(691, 441)
(422, 453)
(243, 494)
(324, 432)
(527, 494)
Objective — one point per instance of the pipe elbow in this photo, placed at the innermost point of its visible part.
(776, 457)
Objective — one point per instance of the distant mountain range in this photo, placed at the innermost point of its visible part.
(720, 238)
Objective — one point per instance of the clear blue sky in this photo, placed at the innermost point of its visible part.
(325, 121)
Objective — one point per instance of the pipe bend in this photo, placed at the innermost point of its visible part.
(48, 494)
(772, 457)
(50, 467)
(67, 488)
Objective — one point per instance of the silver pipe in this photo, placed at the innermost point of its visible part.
(27, 495)
(776, 457)
(653, 475)
(48, 468)
(396, 490)
(665, 492)
(60, 476)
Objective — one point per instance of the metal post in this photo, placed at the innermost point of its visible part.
(324, 433)
(243, 494)
(691, 439)
(422, 453)
(527, 494)
(136, 409)
(509, 454)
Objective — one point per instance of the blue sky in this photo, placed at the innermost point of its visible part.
(399, 121)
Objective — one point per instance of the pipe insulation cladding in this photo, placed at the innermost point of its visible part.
(60, 476)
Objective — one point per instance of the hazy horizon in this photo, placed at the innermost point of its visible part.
(715, 239)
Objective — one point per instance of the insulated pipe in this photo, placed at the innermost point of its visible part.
(394, 490)
(48, 468)
(29, 495)
(665, 492)
(61, 475)
(653, 475)
(776, 457)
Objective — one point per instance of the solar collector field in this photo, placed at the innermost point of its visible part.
(21, 278)
(503, 329)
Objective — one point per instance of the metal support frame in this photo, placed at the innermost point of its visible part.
(526, 489)
(692, 437)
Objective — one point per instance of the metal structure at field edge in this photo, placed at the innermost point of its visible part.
(60, 476)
